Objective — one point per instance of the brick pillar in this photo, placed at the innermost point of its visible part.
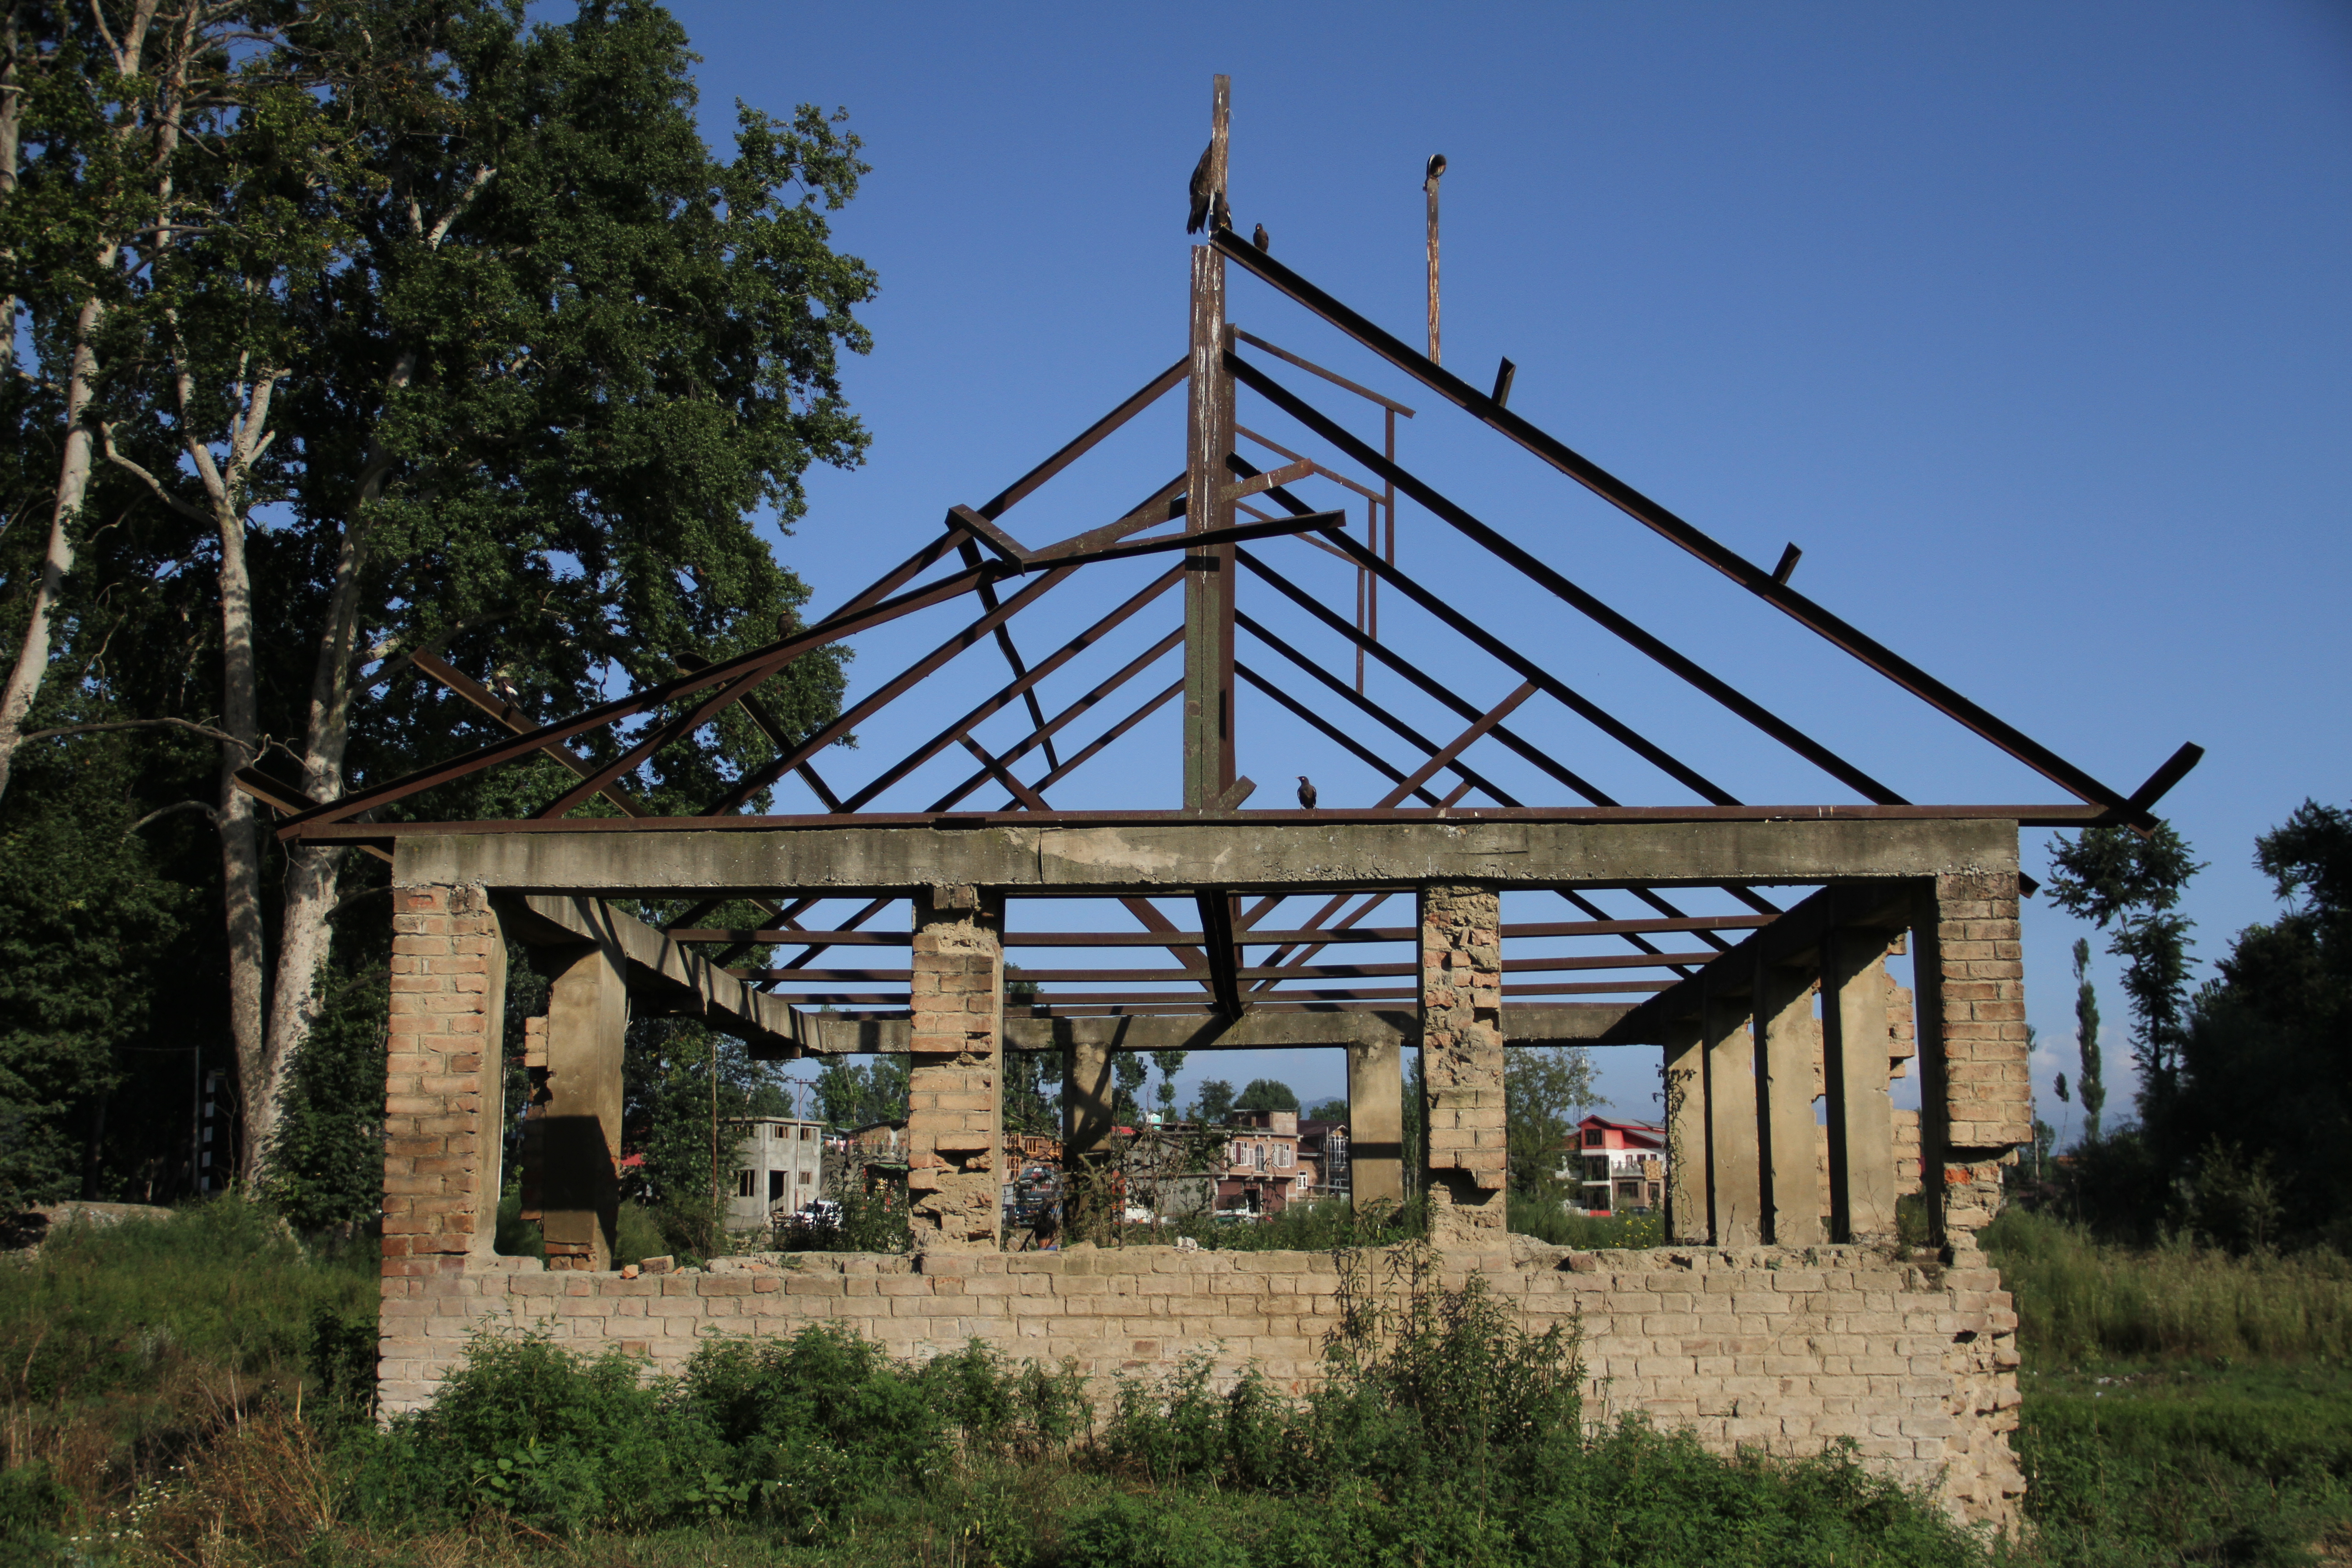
(1976, 1095)
(1686, 1134)
(1462, 1062)
(1855, 1053)
(954, 1108)
(442, 1113)
(1376, 1122)
(1788, 1042)
(577, 1133)
(1734, 1179)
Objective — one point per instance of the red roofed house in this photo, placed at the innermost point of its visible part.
(1620, 1167)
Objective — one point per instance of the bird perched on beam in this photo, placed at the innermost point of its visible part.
(1202, 191)
(1306, 794)
(1260, 240)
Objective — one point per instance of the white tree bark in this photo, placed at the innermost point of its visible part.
(73, 470)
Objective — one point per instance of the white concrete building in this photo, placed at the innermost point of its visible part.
(778, 1167)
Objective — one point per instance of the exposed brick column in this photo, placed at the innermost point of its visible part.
(1686, 1134)
(1462, 1062)
(954, 1105)
(1376, 1122)
(442, 1120)
(578, 1127)
(1976, 1093)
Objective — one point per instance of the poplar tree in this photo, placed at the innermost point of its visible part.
(2086, 1035)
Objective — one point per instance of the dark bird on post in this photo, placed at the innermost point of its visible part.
(1260, 240)
(1306, 794)
(1431, 170)
(1202, 172)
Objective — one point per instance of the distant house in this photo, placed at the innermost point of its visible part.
(1262, 1172)
(1618, 1167)
(778, 1166)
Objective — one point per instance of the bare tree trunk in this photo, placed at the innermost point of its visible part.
(73, 484)
(314, 872)
(73, 472)
(257, 1079)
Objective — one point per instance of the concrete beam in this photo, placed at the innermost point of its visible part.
(663, 976)
(1571, 1023)
(1159, 857)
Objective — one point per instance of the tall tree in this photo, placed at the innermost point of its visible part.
(1170, 1064)
(1216, 1101)
(447, 352)
(2120, 881)
(101, 110)
(1546, 1091)
(1266, 1094)
(2086, 1035)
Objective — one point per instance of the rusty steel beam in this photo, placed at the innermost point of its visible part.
(1025, 684)
(1446, 755)
(1756, 579)
(1585, 604)
(760, 662)
(1020, 748)
(1087, 440)
(517, 722)
(1332, 731)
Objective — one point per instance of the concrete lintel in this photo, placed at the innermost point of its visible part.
(1568, 1025)
(659, 971)
(1160, 858)
(1794, 938)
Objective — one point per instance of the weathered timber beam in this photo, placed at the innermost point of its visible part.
(1271, 851)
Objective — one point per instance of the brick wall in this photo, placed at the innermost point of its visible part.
(1786, 1350)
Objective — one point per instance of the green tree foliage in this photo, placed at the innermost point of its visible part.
(1266, 1094)
(403, 326)
(1546, 1090)
(2090, 1083)
(2267, 1051)
(2129, 884)
(1033, 1092)
(1216, 1101)
(1327, 1111)
(1127, 1073)
(850, 1095)
(1168, 1063)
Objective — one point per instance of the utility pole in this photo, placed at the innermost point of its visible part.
(1431, 174)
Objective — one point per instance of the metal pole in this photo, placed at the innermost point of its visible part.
(1207, 584)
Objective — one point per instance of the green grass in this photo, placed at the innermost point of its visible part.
(2080, 1300)
(2180, 1407)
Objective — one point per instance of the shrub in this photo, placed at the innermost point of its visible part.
(526, 1431)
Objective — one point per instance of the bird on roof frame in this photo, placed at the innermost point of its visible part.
(1260, 240)
(1306, 794)
(1203, 191)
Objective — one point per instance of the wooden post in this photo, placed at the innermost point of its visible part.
(1435, 170)
(1735, 1198)
(1784, 1037)
(1853, 1074)
(1209, 575)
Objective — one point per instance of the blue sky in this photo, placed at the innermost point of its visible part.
(2028, 323)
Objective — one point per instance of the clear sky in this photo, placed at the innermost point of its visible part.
(2029, 323)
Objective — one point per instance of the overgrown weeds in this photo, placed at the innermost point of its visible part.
(2080, 1300)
